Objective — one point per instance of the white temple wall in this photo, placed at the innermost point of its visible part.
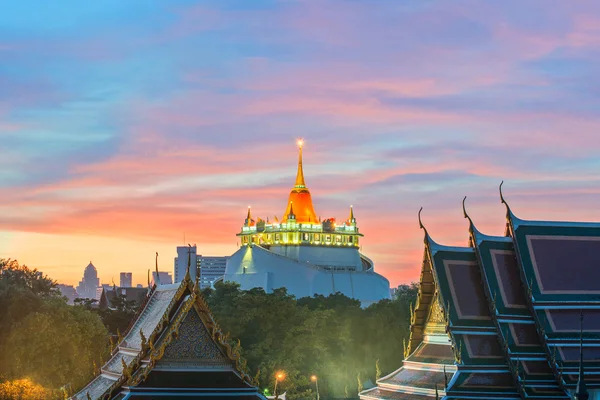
(256, 267)
(331, 256)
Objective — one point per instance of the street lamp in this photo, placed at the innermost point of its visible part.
(316, 381)
(278, 377)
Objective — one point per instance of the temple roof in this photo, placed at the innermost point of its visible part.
(173, 331)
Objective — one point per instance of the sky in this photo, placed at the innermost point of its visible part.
(128, 128)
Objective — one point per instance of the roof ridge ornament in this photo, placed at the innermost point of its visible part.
(509, 213)
(421, 224)
(501, 195)
(187, 270)
(471, 224)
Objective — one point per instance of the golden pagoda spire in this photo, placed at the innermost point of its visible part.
(300, 174)
(351, 219)
(303, 209)
(248, 218)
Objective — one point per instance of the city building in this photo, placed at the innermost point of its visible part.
(304, 254)
(99, 289)
(185, 254)
(506, 317)
(164, 278)
(68, 291)
(173, 349)
(126, 279)
(89, 283)
(212, 269)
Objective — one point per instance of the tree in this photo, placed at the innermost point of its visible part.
(43, 338)
(22, 389)
(328, 336)
(56, 345)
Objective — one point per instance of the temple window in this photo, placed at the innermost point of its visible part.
(277, 237)
(317, 237)
(350, 239)
(305, 237)
(338, 239)
(328, 238)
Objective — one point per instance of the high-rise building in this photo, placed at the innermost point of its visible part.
(164, 278)
(126, 280)
(304, 254)
(87, 286)
(181, 262)
(212, 269)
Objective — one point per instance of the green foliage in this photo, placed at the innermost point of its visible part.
(42, 338)
(119, 316)
(331, 337)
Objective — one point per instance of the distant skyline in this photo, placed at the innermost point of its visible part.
(126, 125)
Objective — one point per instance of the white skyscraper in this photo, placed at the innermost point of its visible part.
(126, 279)
(181, 262)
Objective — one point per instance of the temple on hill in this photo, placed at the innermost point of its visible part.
(305, 254)
(173, 349)
(506, 317)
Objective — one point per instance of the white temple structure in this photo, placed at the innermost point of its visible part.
(304, 254)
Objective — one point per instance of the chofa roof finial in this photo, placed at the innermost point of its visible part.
(466, 215)
(502, 200)
(421, 224)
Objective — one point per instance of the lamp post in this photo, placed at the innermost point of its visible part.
(279, 376)
(316, 381)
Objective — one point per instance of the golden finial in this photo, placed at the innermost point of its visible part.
(156, 269)
(151, 345)
(143, 339)
(119, 337)
(248, 217)
(126, 372)
(187, 271)
(351, 219)
(148, 277)
(300, 174)
(114, 285)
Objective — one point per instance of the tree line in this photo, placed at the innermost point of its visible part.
(49, 347)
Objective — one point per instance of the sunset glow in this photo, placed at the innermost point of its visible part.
(155, 126)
